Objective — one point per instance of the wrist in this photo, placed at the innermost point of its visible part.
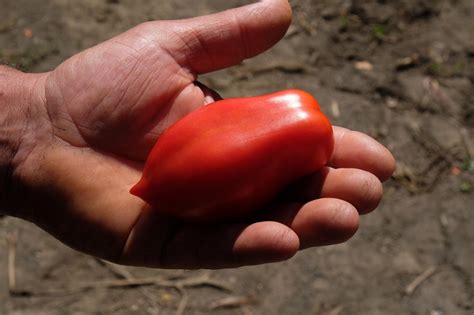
(20, 98)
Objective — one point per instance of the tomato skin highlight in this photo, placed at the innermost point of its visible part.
(233, 156)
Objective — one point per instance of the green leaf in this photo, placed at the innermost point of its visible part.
(466, 187)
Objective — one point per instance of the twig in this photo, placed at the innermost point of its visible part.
(203, 280)
(157, 281)
(183, 302)
(117, 270)
(233, 301)
(123, 273)
(127, 280)
(122, 283)
(11, 243)
(435, 169)
(409, 289)
(245, 73)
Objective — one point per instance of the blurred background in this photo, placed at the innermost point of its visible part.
(401, 71)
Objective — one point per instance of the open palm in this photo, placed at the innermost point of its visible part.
(101, 111)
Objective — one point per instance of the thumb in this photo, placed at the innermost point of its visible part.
(220, 40)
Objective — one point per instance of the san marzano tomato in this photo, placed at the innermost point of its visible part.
(233, 156)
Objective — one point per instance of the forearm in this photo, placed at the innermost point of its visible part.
(16, 90)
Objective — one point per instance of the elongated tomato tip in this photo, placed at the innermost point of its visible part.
(138, 189)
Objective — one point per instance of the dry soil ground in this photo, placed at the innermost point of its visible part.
(401, 71)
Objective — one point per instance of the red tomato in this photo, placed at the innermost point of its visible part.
(233, 156)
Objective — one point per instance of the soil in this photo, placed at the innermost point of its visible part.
(401, 71)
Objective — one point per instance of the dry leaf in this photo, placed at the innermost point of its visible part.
(335, 109)
(363, 66)
(232, 301)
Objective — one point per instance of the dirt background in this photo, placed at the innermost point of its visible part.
(402, 71)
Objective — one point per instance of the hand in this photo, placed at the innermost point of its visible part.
(96, 116)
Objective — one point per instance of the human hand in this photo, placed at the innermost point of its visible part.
(94, 119)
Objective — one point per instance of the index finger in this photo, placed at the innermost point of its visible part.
(353, 149)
